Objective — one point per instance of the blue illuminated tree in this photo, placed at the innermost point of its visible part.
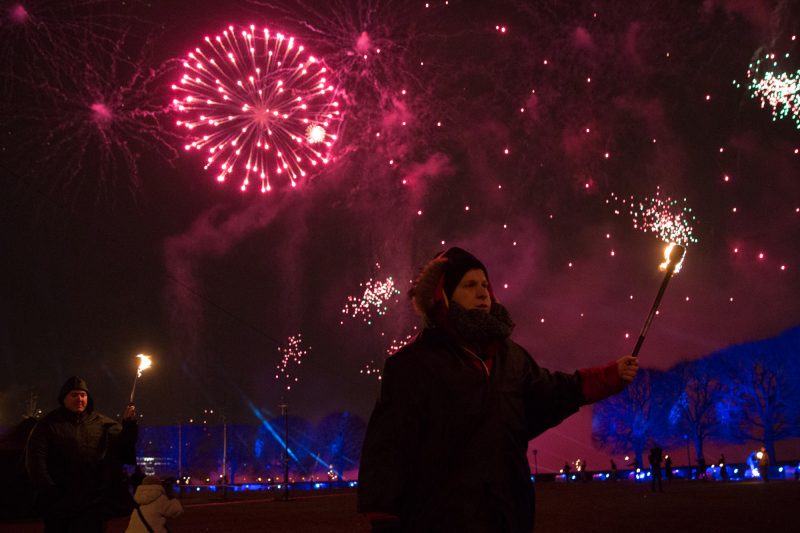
(339, 437)
(630, 421)
(696, 409)
(762, 393)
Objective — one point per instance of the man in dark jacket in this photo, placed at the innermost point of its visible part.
(446, 445)
(73, 458)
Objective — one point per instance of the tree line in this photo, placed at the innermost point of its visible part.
(743, 393)
(257, 450)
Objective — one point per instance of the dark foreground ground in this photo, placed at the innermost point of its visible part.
(706, 507)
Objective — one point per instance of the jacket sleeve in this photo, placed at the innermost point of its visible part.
(392, 433)
(550, 397)
(36, 457)
(600, 382)
(124, 442)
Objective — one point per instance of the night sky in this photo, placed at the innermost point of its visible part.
(512, 129)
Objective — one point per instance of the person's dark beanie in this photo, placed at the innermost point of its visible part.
(459, 262)
(76, 383)
(73, 383)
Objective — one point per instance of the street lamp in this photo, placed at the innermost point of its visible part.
(285, 412)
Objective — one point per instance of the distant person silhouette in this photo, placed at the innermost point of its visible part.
(655, 468)
(763, 464)
(723, 468)
(701, 468)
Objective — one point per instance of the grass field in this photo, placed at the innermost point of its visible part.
(706, 507)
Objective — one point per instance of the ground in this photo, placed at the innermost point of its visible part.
(564, 508)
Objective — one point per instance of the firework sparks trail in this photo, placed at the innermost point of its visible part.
(373, 301)
(399, 343)
(38, 35)
(771, 85)
(667, 217)
(292, 354)
(378, 49)
(259, 104)
(95, 113)
(371, 369)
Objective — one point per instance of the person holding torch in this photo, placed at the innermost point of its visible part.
(445, 448)
(73, 456)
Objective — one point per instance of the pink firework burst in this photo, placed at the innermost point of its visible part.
(259, 105)
(83, 125)
(39, 34)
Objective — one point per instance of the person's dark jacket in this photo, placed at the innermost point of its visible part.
(73, 459)
(446, 445)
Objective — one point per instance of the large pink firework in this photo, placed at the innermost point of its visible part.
(259, 105)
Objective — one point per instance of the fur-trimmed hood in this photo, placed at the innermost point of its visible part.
(427, 289)
(428, 292)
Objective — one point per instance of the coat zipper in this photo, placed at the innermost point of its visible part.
(473, 354)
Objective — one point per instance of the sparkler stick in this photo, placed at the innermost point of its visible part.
(673, 255)
(144, 364)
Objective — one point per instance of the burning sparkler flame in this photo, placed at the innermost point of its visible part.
(673, 254)
(145, 362)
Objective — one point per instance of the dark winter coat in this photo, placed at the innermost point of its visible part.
(446, 445)
(74, 459)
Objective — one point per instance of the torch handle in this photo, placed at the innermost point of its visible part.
(667, 276)
(133, 389)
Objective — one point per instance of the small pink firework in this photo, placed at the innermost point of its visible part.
(373, 301)
(399, 343)
(371, 369)
(259, 105)
(292, 354)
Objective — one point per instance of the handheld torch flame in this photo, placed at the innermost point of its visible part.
(144, 364)
(673, 254)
